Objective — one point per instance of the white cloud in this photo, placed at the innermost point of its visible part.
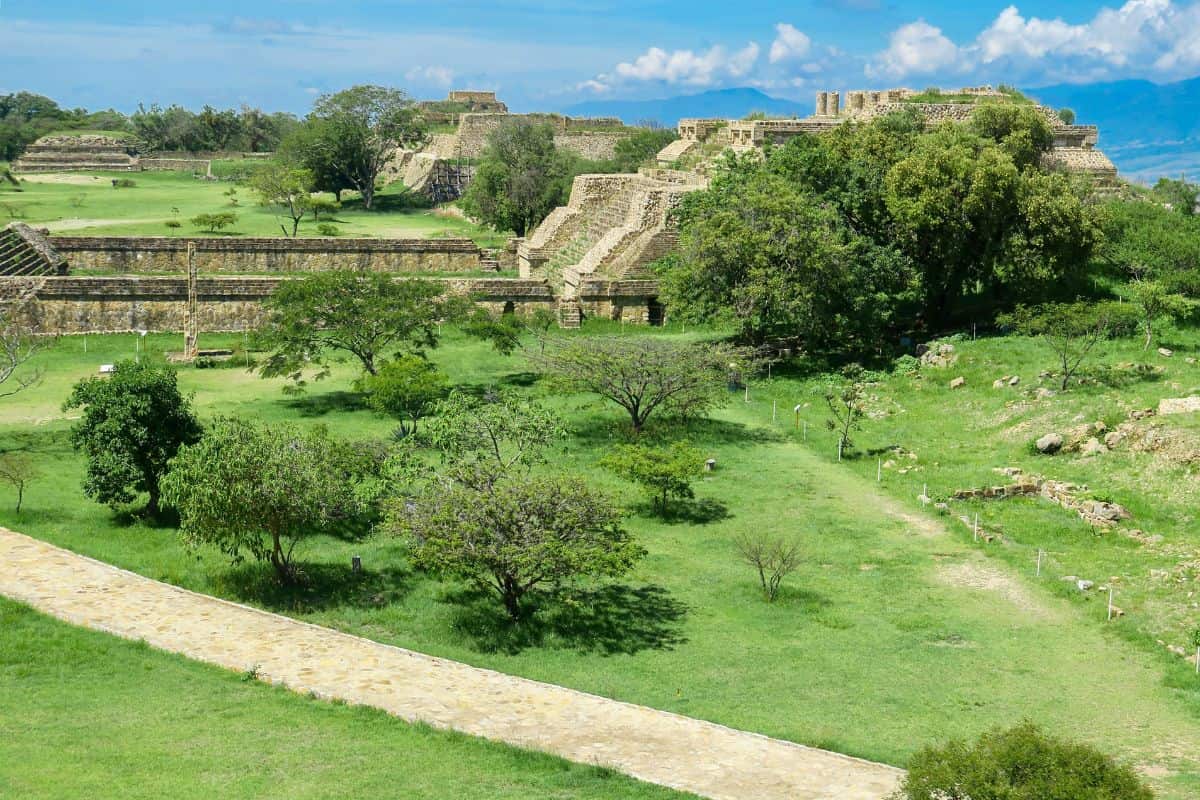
(914, 49)
(595, 85)
(688, 67)
(789, 43)
(1141, 38)
(436, 75)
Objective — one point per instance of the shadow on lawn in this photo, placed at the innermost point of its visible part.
(321, 587)
(318, 405)
(685, 512)
(612, 619)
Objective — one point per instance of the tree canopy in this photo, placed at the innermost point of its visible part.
(365, 314)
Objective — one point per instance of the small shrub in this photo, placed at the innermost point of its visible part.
(773, 558)
(18, 470)
(173, 223)
(662, 472)
(906, 365)
(328, 229)
(214, 222)
(1021, 763)
(124, 183)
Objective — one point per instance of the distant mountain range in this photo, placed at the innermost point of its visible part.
(1147, 129)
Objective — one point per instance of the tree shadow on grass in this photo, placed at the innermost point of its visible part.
(610, 620)
(318, 405)
(320, 587)
(603, 429)
(1115, 377)
(685, 512)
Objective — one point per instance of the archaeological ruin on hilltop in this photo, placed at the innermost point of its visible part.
(587, 258)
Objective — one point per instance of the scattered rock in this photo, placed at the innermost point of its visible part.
(1117, 613)
(1190, 360)
(1113, 438)
(1014, 380)
(1043, 393)
(1050, 443)
(1084, 585)
(1165, 353)
(1142, 413)
(889, 464)
(958, 382)
(1178, 405)
(999, 383)
(939, 354)
(1092, 447)
(1100, 511)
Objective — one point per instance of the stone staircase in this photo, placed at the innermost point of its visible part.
(570, 313)
(25, 252)
(77, 153)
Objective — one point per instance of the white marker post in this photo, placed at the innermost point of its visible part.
(977, 526)
(1198, 659)
(747, 393)
(806, 430)
(1110, 599)
(774, 409)
(839, 448)
(1039, 563)
(879, 470)
(85, 343)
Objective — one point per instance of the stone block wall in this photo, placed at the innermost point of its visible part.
(70, 305)
(165, 255)
(592, 145)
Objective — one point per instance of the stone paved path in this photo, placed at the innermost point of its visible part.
(656, 746)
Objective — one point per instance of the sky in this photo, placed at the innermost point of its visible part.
(281, 55)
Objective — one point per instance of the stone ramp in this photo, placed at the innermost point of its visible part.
(25, 252)
(656, 746)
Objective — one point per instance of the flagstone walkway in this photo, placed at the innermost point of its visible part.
(656, 746)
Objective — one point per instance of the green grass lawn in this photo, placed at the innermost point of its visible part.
(891, 635)
(86, 714)
(86, 204)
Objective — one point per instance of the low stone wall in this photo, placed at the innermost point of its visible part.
(70, 305)
(635, 302)
(160, 254)
(175, 165)
(592, 145)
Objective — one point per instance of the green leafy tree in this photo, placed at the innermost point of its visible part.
(134, 422)
(845, 396)
(308, 146)
(644, 376)
(521, 177)
(287, 188)
(489, 517)
(1180, 194)
(640, 148)
(1155, 304)
(18, 470)
(215, 222)
(365, 314)
(1021, 131)
(262, 490)
(1021, 763)
(663, 472)
(406, 389)
(1067, 115)
(1145, 241)
(355, 132)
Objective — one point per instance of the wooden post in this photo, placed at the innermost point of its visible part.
(191, 321)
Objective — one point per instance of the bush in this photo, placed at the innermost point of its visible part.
(124, 183)
(214, 222)
(662, 472)
(173, 223)
(1021, 763)
(328, 229)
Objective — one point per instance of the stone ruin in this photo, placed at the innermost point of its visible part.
(73, 153)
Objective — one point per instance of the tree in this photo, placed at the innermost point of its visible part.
(639, 149)
(214, 222)
(285, 187)
(483, 440)
(406, 389)
(307, 146)
(520, 178)
(18, 341)
(644, 375)
(845, 399)
(1181, 195)
(490, 518)
(516, 535)
(1021, 763)
(664, 472)
(366, 314)
(779, 262)
(262, 490)
(357, 131)
(1067, 115)
(18, 471)
(1070, 329)
(1020, 130)
(1155, 303)
(134, 422)
(773, 558)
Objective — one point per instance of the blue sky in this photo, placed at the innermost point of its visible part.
(548, 55)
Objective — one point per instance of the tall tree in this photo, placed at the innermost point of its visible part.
(357, 131)
(520, 179)
(365, 314)
(134, 422)
(284, 187)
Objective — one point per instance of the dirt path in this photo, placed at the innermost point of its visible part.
(656, 746)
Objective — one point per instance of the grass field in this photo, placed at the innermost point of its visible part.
(86, 204)
(90, 715)
(893, 633)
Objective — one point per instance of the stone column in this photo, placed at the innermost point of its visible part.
(834, 106)
(191, 322)
(822, 104)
